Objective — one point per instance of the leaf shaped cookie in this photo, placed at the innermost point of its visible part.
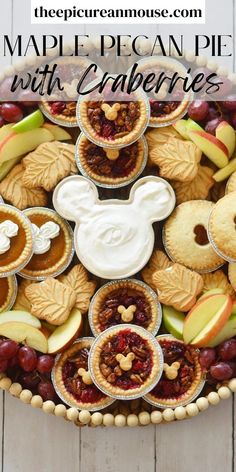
(177, 160)
(51, 300)
(217, 280)
(158, 137)
(13, 190)
(46, 166)
(68, 152)
(22, 302)
(78, 280)
(197, 189)
(178, 286)
(158, 261)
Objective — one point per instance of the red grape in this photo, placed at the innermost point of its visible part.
(211, 126)
(11, 112)
(233, 119)
(30, 380)
(45, 364)
(46, 390)
(198, 110)
(230, 103)
(207, 357)
(8, 349)
(213, 112)
(27, 358)
(227, 350)
(2, 122)
(3, 365)
(221, 371)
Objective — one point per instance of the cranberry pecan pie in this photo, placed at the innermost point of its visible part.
(8, 292)
(125, 301)
(111, 167)
(125, 362)
(72, 380)
(182, 377)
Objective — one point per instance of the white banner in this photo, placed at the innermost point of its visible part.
(124, 12)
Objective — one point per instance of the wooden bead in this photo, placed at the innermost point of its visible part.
(26, 396)
(48, 406)
(168, 414)
(120, 421)
(9, 71)
(84, 416)
(5, 383)
(201, 61)
(232, 385)
(132, 420)
(213, 398)
(202, 403)
(180, 412)
(144, 418)
(224, 393)
(60, 410)
(212, 65)
(189, 56)
(192, 409)
(108, 419)
(156, 417)
(96, 418)
(222, 71)
(15, 389)
(72, 414)
(37, 401)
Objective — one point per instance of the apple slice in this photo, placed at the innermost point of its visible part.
(18, 315)
(234, 308)
(206, 319)
(224, 173)
(15, 145)
(173, 321)
(32, 121)
(7, 166)
(226, 134)
(59, 133)
(228, 332)
(208, 293)
(5, 131)
(26, 334)
(214, 149)
(180, 127)
(192, 125)
(65, 334)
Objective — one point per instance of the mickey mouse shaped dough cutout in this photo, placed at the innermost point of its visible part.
(114, 238)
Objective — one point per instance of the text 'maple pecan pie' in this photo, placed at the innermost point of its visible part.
(72, 380)
(125, 362)
(125, 301)
(182, 377)
(8, 292)
(53, 244)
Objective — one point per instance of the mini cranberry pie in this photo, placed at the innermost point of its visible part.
(125, 362)
(8, 292)
(53, 244)
(72, 380)
(182, 377)
(111, 167)
(125, 301)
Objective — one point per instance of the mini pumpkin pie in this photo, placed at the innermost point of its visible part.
(185, 237)
(72, 380)
(53, 244)
(111, 167)
(166, 108)
(182, 377)
(221, 227)
(125, 362)
(113, 119)
(125, 301)
(16, 240)
(8, 292)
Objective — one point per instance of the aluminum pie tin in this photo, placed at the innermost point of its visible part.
(112, 185)
(107, 403)
(136, 282)
(13, 295)
(215, 247)
(151, 61)
(70, 255)
(141, 96)
(143, 333)
(190, 399)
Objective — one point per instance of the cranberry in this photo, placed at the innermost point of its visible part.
(57, 107)
(141, 318)
(107, 130)
(137, 366)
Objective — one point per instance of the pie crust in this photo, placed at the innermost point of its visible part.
(8, 292)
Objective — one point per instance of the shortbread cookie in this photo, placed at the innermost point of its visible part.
(178, 287)
(217, 280)
(197, 189)
(231, 184)
(159, 137)
(185, 237)
(158, 261)
(22, 302)
(51, 300)
(78, 280)
(221, 227)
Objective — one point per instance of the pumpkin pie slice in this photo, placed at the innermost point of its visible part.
(8, 292)
(125, 301)
(111, 167)
(125, 362)
(72, 380)
(182, 378)
(16, 240)
(53, 244)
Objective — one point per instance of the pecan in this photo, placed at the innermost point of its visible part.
(118, 371)
(111, 378)
(136, 378)
(105, 370)
(139, 352)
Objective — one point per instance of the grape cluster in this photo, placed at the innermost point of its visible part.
(25, 365)
(13, 112)
(220, 362)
